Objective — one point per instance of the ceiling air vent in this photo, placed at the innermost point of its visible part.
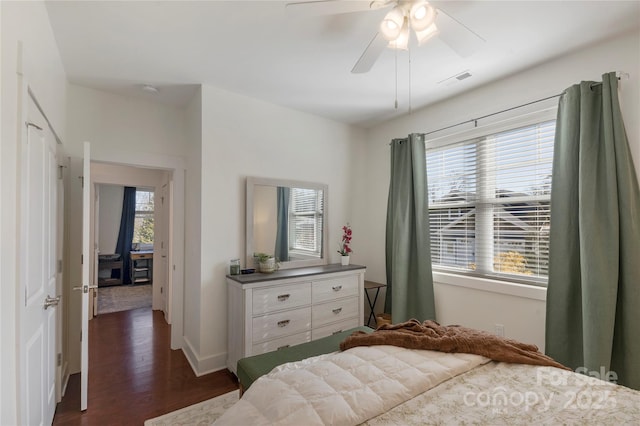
(456, 78)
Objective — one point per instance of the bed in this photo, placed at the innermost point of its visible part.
(388, 384)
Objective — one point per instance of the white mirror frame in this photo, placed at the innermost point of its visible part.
(251, 183)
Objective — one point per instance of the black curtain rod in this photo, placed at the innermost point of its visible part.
(475, 120)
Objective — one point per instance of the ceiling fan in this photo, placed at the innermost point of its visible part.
(406, 17)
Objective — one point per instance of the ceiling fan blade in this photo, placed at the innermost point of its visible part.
(325, 7)
(458, 36)
(370, 54)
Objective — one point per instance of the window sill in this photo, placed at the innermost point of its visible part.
(494, 286)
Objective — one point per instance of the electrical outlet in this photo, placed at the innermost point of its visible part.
(499, 330)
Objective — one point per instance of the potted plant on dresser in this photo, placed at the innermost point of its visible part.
(345, 245)
(266, 262)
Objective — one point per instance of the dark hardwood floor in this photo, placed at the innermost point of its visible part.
(134, 375)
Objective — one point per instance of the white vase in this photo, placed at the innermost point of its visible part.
(344, 260)
(268, 266)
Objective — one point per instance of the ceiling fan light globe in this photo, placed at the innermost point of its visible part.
(426, 35)
(402, 41)
(422, 16)
(391, 25)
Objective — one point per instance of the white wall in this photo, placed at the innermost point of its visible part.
(39, 62)
(193, 214)
(522, 316)
(109, 217)
(117, 124)
(265, 219)
(245, 137)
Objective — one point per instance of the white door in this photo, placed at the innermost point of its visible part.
(95, 238)
(86, 286)
(168, 232)
(162, 245)
(60, 308)
(38, 265)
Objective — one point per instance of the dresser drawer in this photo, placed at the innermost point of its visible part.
(333, 311)
(282, 342)
(280, 324)
(328, 330)
(334, 288)
(272, 299)
(140, 256)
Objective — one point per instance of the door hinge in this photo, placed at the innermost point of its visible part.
(59, 359)
(60, 171)
(81, 180)
(161, 244)
(160, 290)
(82, 259)
(81, 335)
(59, 266)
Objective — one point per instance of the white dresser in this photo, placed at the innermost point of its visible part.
(267, 312)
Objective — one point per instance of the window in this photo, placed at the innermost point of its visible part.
(489, 203)
(143, 224)
(305, 221)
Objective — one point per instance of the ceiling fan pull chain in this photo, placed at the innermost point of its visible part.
(409, 52)
(396, 60)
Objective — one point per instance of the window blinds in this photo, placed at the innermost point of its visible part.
(306, 219)
(489, 203)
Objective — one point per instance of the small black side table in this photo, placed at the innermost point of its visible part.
(370, 285)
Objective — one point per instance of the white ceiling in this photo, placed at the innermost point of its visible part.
(254, 48)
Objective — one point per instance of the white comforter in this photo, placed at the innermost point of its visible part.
(345, 387)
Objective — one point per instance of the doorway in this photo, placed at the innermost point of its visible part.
(167, 297)
(126, 229)
(125, 237)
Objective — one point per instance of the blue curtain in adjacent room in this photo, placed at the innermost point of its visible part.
(593, 296)
(125, 236)
(282, 233)
(408, 252)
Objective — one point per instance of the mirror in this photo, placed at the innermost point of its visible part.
(287, 219)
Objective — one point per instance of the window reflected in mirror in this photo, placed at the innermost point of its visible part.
(286, 219)
(288, 222)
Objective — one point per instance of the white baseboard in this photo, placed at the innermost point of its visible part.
(203, 365)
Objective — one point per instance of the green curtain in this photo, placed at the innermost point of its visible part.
(408, 253)
(282, 218)
(593, 297)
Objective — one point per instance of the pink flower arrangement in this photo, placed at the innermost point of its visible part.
(345, 250)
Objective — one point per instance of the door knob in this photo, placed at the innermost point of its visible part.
(84, 288)
(51, 301)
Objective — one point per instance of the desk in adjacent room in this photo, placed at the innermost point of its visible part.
(141, 266)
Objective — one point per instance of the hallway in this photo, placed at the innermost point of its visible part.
(134, 375)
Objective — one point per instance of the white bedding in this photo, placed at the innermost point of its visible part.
(384, 385)
(500, 393)
(347, 387)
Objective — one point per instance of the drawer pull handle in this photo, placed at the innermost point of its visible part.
(336, 332)
(283, 297)
(283, 323)
(337, 288)
(337, 310)
(283, 347)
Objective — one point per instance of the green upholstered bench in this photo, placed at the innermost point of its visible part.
(252, 367)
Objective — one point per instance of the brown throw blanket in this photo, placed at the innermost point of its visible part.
(454, 338)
